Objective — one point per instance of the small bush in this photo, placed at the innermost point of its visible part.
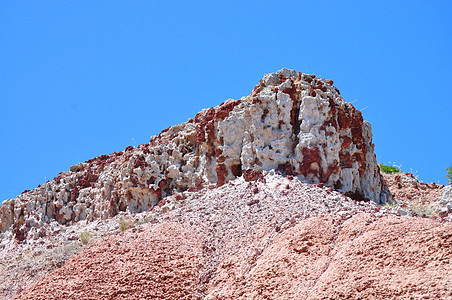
(392, 204)
(449, 174)
(124, 224)
(142, 221)
(389, 169)
(84, 237)
(421, 211)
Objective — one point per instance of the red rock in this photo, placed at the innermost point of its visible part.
(333, 168)
(198, 186)
(113, 205)
(236, 170)
(134, 179)
(74, 193)
(18, 232)
(218, 152)
(222, 172)
(252, 202)
(286, 169)
(257, 88)
(200, 135)
(310, 157)
(356, 195)
(343, 119)
(140, 162)
(346, 141)
(221, 159)
(224, 110)
(282, 78)
(252, 175)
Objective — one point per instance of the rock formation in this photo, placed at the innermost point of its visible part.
(265, 197)
(419, 197)
(294, 123)
(444, 204)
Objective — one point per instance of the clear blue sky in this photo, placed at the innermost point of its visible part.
(84, 78)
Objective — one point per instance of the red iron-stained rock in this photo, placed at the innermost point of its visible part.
(346, 141)
(224, 109)
(345, 159)
(311, 161)
(343, 119)
(74, 193)
(139, 162)
(236, 170)
(222, 173)
(197, 186)
(257, 88)
(252, 175)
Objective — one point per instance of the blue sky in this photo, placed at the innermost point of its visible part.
(85, 78)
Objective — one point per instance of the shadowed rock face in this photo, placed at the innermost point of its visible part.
(291, 122)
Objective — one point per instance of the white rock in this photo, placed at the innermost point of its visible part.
(444, 204)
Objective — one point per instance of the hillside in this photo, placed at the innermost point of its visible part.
(275, 195)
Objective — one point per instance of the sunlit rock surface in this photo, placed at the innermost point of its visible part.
(294, 123)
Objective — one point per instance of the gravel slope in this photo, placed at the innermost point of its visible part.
(274, 238)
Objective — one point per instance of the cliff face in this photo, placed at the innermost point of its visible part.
(294, 123)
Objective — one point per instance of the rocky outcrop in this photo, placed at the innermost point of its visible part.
(444, 204)
(257, 198)
(294, 123)
(271, 237)
(405, 187)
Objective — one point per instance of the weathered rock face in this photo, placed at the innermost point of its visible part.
(294, 123)
(444, 204)
(413, 197)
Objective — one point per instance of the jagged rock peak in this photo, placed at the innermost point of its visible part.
(294, 123)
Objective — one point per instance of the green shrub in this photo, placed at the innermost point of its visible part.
(84, 237)
(421, 210)
(124, 224)
(389, 169)
(392, 204)
(142, 221)
(449, 174)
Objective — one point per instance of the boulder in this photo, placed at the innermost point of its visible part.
(444, 205)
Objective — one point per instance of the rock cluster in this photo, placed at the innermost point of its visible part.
(294, 123)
